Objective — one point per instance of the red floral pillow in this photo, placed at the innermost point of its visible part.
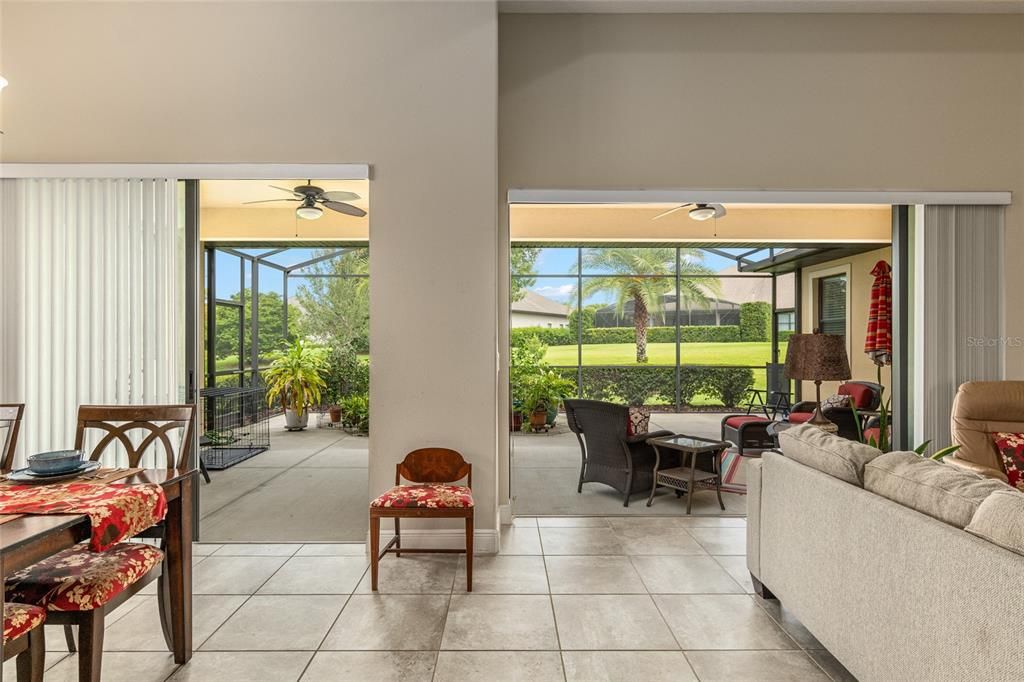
(1011, 447)
(639, 421)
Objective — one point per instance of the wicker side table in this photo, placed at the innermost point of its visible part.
(687, 478)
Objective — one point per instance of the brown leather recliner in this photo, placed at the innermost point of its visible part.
(980, 409)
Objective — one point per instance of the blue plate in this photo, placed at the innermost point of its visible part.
(28, 476)
(55, 462)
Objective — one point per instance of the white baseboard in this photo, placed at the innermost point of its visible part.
(505, 514)
(484, 541)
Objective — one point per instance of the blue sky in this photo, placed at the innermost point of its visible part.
(271, 279)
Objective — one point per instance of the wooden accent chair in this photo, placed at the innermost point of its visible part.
(10, 423)
(97, 583)
(433, 473)
(23, 637)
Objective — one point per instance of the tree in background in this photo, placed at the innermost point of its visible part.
(642, 276)
(271, 325)
(523, 261)
(335, 311)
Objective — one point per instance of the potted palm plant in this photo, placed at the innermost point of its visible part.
(542, 392)
(295, 377)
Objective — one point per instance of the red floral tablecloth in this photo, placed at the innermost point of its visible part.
(116, 511)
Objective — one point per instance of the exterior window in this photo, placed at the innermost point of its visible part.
(787, 321)
(832, 305)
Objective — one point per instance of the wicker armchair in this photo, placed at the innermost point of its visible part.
(865, 395)
(609, 454)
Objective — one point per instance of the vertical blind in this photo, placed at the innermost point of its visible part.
(93, 300)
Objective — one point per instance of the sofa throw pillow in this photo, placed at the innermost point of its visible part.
(1011, 449)
(1000, 519)
(826, 452)
(942, 491)
(836, 400)
(639, 421)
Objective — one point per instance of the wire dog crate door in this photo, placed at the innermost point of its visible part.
(236, 425)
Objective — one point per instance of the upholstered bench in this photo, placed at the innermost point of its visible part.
(747, 431)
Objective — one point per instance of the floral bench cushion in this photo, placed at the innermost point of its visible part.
(78, 579)
(432, 496)
(20, 618)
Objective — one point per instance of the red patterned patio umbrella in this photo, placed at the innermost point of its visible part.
(878, 344)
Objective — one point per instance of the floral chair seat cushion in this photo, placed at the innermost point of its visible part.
(20, 618)
(78, 579)
(432, 496)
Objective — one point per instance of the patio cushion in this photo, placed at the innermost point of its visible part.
(800, 417)
(433, 496)
(78, 579)
(20, 618)
(738, 420)
(861, 395)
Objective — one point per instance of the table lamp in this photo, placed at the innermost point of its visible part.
(818, 357)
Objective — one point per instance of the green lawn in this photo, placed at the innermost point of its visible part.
(752, 353)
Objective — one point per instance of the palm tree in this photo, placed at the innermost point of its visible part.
(643, 276)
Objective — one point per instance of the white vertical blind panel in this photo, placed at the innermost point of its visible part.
(93, 286)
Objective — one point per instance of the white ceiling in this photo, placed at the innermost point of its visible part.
(761, 6)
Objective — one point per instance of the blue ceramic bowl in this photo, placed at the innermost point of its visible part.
(56, 462)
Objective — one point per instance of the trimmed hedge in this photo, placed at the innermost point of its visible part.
(564, 336)
(656, 385)
(756, 321)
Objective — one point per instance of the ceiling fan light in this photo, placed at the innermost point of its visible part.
(702, 212)
(3, 82)
(309, 212)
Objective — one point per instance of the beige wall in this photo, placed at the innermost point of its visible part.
(768, 101)
(858, 301)
(409, 88)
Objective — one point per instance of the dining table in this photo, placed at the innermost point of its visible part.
(29, 538)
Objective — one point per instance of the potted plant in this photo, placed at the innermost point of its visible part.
(356, 413)
(542, 392)
(295, 377)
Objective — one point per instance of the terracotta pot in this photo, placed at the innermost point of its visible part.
(516, 421)
(539, 419)
(335, 413)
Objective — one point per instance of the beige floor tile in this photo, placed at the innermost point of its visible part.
(524, 522)
(721, 540)
(204, 548)
(713, 522)
(140, 630)
(593, 575)
(52, 659)
(574, 541)
(505, 575)
(610, 622)
(279, 623)
(333, 549)
(736, 566)
(755, 666)
(118, 666)
(243, 666)
(233, 574)
(674, 541)
(499, 666)
(413, 574)
(520, 540)
(499, 622)
(720, 621)
(615, 666)
(317, 575)
(379, 666)
(572, 522)
(255, 549)
(684, 575)
(389, 622)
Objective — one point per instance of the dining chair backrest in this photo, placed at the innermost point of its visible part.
(150, 424)
(434, 465)
(10, 423)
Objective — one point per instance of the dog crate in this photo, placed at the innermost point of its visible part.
(236, 425)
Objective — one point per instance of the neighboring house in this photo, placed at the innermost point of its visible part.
(534, 310)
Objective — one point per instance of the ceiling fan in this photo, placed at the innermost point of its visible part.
(698, 212)
(312, 198)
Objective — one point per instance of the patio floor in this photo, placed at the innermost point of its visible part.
(568, 599)
(310, 486)
(546, 469)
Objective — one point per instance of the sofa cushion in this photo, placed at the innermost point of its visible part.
(1000, 520)
(638, 421)
(1011, 449)
(944, 492)
(800, 417)
(835, 401)
(738, 420)
(844, 459)
(861, 395)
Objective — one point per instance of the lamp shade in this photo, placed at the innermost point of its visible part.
(817, 357)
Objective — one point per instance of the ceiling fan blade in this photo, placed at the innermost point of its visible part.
(347, 209)
(267, 201)
(339, 195)
(671, 211)
(719, 210)
(285, 189)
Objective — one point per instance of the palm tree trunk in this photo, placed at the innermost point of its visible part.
(640, 319)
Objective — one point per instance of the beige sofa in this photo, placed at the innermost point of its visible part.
(891, 591)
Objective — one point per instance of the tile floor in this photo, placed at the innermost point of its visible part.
(567, 599)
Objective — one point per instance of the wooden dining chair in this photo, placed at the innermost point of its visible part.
(10, 424)
(23, 637)
(432, 473)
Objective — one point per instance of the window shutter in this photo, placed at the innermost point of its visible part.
(832, 305)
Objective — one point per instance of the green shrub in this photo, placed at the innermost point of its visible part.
(785, 335)
(347, 375)
(355, 413)
(728, 384)
(726, 333)
(755, 321)
(589, 313)
(629, 385)
(549, 336)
